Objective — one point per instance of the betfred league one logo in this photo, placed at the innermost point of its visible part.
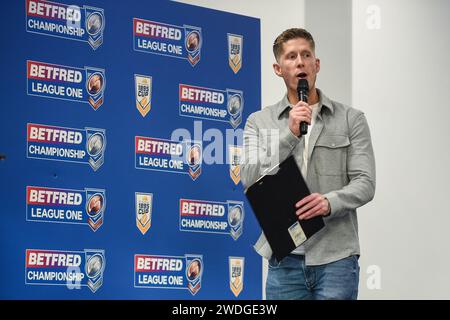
(66, 144)
(168, 272)
(73, 269)
(69, 206)
(194, 158)
(143, 91)
(48, 80)
(236, 268)
(235, 44)
(66, 21)
(193, 43)
(194, 271)
(143, 207)
(235, 218)
(211, 104)
(212, 217)
(235, 159)
(183, 157)
(183, 42)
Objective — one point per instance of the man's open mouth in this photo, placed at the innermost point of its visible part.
(302, 75)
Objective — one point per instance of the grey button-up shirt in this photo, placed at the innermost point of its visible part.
(341, 166)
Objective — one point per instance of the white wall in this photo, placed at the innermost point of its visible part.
(401, 80)
(330, 23)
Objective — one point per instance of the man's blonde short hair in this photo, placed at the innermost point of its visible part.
(289, 34)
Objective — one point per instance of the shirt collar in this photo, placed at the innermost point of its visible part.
(324, 101)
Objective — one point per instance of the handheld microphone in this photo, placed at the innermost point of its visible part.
(302, 92)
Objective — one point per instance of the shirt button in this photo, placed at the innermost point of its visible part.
(333, 144)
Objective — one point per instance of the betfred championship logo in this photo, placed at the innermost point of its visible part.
(212, 217)
(73, 269)
(48, 80)
(86, 207)
(66, 21)
(168, 272)
(184, 42)
(183, 157)
(211, 104)
(85, 146)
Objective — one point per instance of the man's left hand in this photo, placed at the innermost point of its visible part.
(313, 205)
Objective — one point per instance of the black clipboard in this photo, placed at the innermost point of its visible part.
(273, 198)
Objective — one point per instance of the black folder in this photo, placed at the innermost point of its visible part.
(273, 198)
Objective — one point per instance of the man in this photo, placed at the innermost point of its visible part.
(336, 158)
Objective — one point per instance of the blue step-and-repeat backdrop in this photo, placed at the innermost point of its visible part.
(121, 139)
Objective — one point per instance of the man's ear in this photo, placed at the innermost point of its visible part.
(317, 65)
(277, 69)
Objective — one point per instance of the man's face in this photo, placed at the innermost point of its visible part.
(297, 61)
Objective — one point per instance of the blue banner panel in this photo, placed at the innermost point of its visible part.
(121, 130)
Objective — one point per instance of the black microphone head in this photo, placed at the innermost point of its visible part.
(303, 86)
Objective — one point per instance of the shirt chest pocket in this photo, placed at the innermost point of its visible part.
(329, 156)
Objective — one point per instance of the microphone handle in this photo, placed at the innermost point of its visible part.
(303, 128)
(303, 124)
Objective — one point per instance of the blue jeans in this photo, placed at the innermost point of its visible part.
(291, 279)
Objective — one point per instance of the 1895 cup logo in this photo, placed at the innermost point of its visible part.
(236, 267)
(66, 206)
(212, 217)
(211, 104)
(66, 144)
(143, 90)
(183, 42)
(144, 205)
(168, 272)
(235, 154)
(235, 43)
(66, 21)
(63, 82)
(65, 268)
(183, 157)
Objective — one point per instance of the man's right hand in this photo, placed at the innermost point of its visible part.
(301, 112)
